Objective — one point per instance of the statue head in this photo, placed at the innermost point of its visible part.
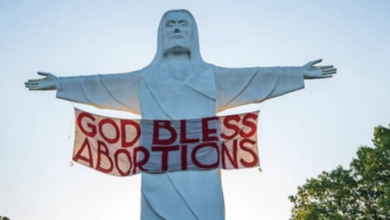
(178, 32)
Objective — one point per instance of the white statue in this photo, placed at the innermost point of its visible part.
(178, 84)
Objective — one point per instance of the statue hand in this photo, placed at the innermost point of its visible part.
(49, 82)
(317, 72)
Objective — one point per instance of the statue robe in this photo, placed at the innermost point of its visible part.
(190, 194)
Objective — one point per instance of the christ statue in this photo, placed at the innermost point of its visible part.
(178, 84)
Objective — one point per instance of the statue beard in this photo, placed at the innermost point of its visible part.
(177, 47)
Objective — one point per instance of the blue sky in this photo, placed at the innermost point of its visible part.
(300, 134)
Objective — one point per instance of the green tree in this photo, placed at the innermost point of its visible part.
(4, 218)
(361, 192)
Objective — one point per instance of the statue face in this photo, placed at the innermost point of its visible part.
(177, 32)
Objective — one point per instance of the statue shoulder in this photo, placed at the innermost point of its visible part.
(123, 76)
(116, 80)
(219, 69)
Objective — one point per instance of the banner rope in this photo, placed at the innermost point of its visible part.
(71, 121)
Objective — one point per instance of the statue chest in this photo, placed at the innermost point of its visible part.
(164, 97)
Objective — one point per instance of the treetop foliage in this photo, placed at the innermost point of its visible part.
(361, 192)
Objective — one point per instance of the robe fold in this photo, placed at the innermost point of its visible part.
(190, 194)
(108, 91)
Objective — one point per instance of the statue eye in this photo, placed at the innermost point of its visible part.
(183, 23)
(170, 24)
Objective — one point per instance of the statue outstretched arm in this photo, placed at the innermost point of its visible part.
(108, 91)
(242, 86)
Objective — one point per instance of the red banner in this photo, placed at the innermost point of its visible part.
(124, 147)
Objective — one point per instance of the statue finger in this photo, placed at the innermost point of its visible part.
(329, 73)
(326, 67)
(30, 86)
(329, 70)
(43, 73)
(34, 88)
(31, 83)
(314, 62)
(33, 80)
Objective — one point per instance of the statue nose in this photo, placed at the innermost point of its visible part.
(177, 30)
